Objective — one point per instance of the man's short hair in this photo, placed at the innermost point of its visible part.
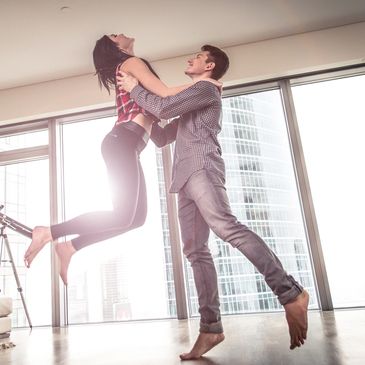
(219, 58)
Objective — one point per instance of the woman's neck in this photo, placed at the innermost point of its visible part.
(129, 51)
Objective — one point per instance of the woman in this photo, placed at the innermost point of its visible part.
(120, 148)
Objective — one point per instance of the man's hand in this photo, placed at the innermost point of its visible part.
(126, 82)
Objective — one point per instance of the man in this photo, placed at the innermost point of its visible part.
(198, 176)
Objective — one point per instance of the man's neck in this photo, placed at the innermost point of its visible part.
(201, 77)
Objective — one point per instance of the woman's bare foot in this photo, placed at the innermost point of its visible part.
(64, 251)
(40, 237)
(204, 343)
(296, 316)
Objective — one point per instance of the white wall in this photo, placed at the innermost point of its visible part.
(272, 58)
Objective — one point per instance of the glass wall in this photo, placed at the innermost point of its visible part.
(166, 236)
(24, 191)
(332, 128)
(129, 276)
(23, 140)
(263, 194)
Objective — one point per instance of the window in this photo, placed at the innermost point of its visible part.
(331, 121)
(23, 140)
(24, 191)
(113, 280)
(262, 190)
(129, 276)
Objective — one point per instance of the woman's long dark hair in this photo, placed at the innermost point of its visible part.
(107, 56)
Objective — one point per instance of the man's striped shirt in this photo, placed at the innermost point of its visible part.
(195, 132)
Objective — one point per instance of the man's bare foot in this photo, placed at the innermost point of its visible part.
(296, 316)
(64, 251)
(204, 343)
(40, 237)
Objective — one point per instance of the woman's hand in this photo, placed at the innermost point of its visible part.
(126, 81)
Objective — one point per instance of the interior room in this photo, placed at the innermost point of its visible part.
(291, 135)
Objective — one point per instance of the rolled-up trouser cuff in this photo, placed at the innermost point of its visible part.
(215, 327)
(290, 294)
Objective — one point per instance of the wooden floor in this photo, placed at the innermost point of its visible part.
(335, 338)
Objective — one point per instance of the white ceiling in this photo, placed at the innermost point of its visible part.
(39, 42)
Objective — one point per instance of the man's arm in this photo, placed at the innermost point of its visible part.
(161, 136)
(196, 97)
(138, 68)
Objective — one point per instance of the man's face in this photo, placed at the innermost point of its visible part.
(199, 64)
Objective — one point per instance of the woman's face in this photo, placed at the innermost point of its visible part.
(123, 42)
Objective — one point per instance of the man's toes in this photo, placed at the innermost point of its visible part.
(304, 334)
(186, 356)
(294, 342)
(297, 341)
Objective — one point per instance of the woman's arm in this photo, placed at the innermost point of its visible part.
(141, 72)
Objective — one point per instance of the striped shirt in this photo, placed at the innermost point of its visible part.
(195, 131)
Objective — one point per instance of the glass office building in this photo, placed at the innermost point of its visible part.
(263, 195)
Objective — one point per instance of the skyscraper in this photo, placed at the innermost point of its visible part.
(262, 190)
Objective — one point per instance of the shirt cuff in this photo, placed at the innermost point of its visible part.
(135, 91)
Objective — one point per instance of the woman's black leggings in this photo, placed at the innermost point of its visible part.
(120, 149)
